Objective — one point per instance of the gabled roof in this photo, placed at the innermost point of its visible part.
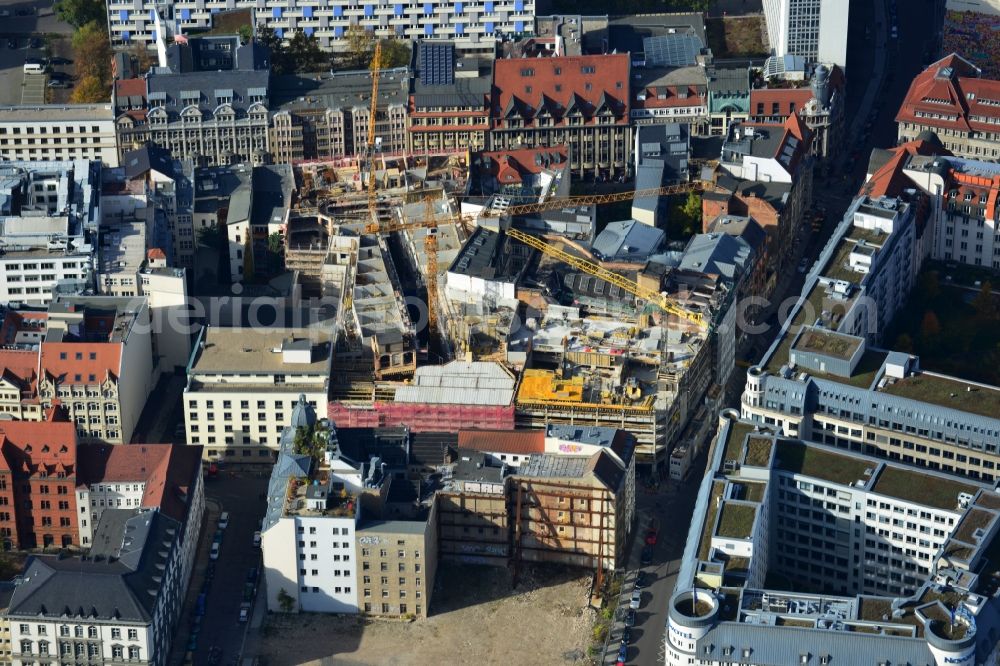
(520, 442)
(580, 82)
(19, 368)
(29, 447)
(106, 361)
(888, 178)
(951, 87)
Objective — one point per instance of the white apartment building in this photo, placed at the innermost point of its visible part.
(59, 132)
(243, 384)
(173, 330)
(813, 29)
(48, 225)
(308, 532)
(477, 24)
(868, 556)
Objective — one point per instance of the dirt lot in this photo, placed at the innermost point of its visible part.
(476, 619)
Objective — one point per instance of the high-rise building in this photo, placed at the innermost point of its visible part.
(813, 29)
(474, 25)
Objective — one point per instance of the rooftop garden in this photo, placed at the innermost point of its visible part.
(758, 452)
(919, 488)
(734, 442)
(974, 519)
(705, 545)
(828, 343)
(988, 500)
(947, 392)
(874, 609)
(338, 502)
(736, 521)
(812, 461)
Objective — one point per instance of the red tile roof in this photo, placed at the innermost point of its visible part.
(951, 87)
(167, 470)
(156, 253)
(519, 442)
(27, 446)
(527, 87)
(20, 368)
(784, 97)
(512, 165)
(673, 96)
(889, 179)
(71, 362)
(130, 87)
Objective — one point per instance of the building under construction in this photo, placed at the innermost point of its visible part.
(616, 373)
(567, 497)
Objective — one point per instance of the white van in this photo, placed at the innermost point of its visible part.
(34, 68)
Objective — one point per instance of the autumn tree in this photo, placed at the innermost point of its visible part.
(142, 57)
(395, 53)
(360, 46)
(930, 328)
(92, 53)
(90, 90)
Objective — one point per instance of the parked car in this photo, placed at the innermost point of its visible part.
(803, 265)
(626, 635)
(636, 600)
(25, 12)
(4, 13)
(214, 553)
(651, 538)
(192, 644)
(34, 43)
(199, 606)
(623, 653)
(217, 537)
(647, 555)
(252, 575)
(223, 520)
(244, 614)
(630, 618)
(640, 580)
(210, 571)
(60, 83)
(59, 60)
(12, 43)
(256, 539)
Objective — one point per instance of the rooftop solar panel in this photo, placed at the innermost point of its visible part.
(678, 50)
(437, 64)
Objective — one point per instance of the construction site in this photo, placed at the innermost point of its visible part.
(451, 313)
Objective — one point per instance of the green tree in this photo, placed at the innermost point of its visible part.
(305, 55)
(90, 90)
(904, 343)
(395, 53)
(80, 12)
(285, 601)
(245, 32)
(269, 39)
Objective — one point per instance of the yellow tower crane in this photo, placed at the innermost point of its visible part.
(376, 68)
(556, 203)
